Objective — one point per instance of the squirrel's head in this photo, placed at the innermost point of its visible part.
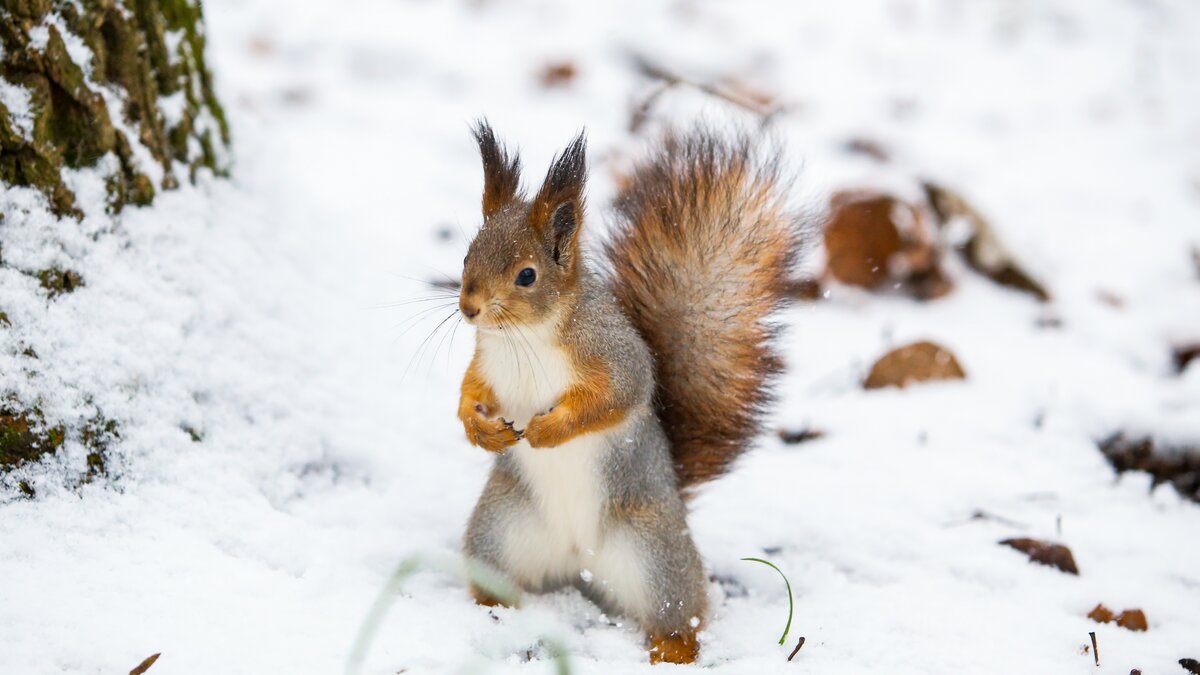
(525, 259)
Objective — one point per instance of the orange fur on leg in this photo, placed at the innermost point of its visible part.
(586, 407)
(479, 413)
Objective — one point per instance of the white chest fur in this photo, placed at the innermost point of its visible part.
(526, 368)
(529, 371)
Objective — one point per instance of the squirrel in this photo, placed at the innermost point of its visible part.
(608, 398)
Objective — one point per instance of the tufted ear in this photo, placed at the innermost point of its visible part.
(501, 170)
(557, 210)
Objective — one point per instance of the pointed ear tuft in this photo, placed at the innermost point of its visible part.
(501, 170)
(557, 210)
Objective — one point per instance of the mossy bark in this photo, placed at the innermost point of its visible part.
(146, 60)
(125, 79)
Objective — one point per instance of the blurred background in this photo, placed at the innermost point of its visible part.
(227, 390)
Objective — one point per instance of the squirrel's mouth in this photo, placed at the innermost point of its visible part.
(484, 326)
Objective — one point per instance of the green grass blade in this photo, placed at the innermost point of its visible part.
(788, 627)
(469, 571)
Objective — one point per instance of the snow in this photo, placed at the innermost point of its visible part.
(261, 313)
(77, 49)
(17, 101)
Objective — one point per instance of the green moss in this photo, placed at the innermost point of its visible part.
(57, 281)
(24, 437)
(97, 435)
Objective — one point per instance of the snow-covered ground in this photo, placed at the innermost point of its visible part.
(264, 313)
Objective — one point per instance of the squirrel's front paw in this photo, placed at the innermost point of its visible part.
(548, 429)
(493, 435)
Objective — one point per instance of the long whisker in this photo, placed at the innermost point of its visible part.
(411, 301)
(441, 342)
(453, 333)
(505, 329)
(512, 333)
(439, 281)
(424, 344)
(415, 320)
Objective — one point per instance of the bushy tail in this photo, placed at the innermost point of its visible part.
(701, 257)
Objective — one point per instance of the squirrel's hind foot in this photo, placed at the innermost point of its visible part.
(486, 599)
(674, 647)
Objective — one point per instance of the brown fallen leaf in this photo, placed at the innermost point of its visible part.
(982, 251)
(559, 74)
(1045, 553)
(1101, 614)
(145, 665)
(917, 362)
(1133, 619)
(1190, 665)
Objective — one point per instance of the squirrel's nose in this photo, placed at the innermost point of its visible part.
(469, 310)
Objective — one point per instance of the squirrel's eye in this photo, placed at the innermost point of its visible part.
(526, 277)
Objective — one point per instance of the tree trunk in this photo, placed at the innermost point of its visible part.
(118, 86)
(83, 81)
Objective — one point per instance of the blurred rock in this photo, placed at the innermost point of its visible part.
(916, 362)
(1045, 553)
(861, 238)
(875, 241)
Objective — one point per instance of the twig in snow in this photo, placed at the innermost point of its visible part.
(801, 436)
(671, 79)
(145, 665)
(1095, 648)
(797, 649)
(980, 514)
